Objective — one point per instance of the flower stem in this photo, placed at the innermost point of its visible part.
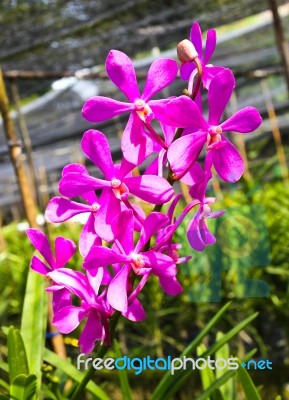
(77, 394)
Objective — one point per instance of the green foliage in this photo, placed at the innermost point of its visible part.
(17, 358)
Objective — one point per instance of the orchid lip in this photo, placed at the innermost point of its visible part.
(215, 130)
(137, 261)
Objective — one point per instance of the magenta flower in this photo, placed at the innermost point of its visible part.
(136, 142)
(133, 257)
(117, 186)
(198, 233)
(184, 112)
(60, 209)
(188, 70)
(94, 306)
(64, 251)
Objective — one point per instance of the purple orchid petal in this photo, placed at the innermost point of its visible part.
(172, 207)
(216, 214)
(64, 251)
(88, 237)
(41, 243)
(100, 256)
(158, 108)
(75, 167)
(117, 290)
(210, 45)
(152, 224)
(110, 207)
(68, 318)
(183, 112)
(194, 175)
(95, 145)
(161, 264)
(123, 229)
(38, 266)
(90, 197)
(220, 91)
(135, 143)
(169, 132)
(228, 162)
(170, 285)
(121, 72)
(194, 235)
(209, 72)
(196, 38)
(245, 120)
(161, 73)
(74, 184)
(207, 236)
(153, 189)
(152, 168)
(186, 70)
(76, 282)
(60, 209)
(95, 278)
(60, 298)
(135, 311)
(184, 151)
(99, 108)
(92, 331)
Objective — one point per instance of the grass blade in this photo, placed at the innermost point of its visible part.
(124, 383)
(33, 323)
(168, 379)
(72, 372)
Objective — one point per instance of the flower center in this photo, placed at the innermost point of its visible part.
(120, 189)
(143, 110)
(94, 207)
(139, 105)
(115, 183)
(215, 130)
(137, 262)
(206, 211)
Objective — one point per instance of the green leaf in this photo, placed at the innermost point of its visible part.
(3, 397)
(4, 384)
(17, 359)
(73, 373)
(229, 388)
(23, 387)
(223, 379)
(168, 379)
(4, 366)
(247, 384)
(124, 383)
(33, 323)
(207, 374)
(175, 382)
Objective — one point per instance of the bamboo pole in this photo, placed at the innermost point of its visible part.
(275, 130)
(282, 43)
(25, 138)
(28, 202)
(16, 157)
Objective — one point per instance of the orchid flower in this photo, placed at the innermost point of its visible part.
(184, 112)
(116, 187)
(136, 142)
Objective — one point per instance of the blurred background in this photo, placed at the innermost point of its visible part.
(52, 54)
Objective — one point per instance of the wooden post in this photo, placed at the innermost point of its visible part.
(282, 43)
(275, 130)
(16, 157)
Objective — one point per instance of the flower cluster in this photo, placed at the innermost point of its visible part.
(120, 244)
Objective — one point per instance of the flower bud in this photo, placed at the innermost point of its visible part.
(186, 51)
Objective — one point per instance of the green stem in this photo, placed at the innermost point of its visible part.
(77, 394)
